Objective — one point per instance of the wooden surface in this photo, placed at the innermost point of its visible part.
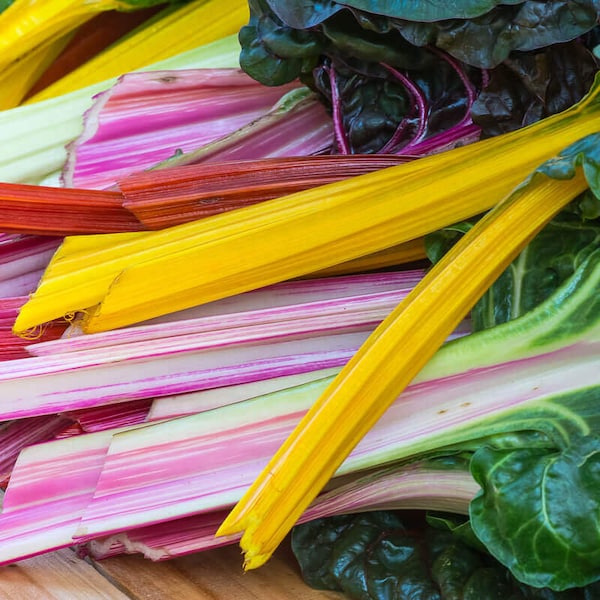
(212, 575)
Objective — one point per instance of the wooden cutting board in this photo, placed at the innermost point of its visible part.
(212, 575)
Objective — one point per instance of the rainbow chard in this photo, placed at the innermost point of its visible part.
(174, 112)
(125, 278)
(442, 484)
(37, 133)
(23, 259)
(441, 414)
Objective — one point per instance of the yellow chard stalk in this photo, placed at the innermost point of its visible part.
(411, 251)
(122, 279)
(174, 30)
(18, 78)
(386, 363)
(26, 24)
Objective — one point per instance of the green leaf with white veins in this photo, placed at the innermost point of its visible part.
(539, 513)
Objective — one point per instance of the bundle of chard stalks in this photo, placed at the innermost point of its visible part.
(329, 268)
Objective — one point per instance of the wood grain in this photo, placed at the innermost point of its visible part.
(56, 576)
(212, 575)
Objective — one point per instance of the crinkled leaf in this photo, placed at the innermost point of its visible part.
(530, 86)
(302, 14)
(377, 556)
(284, 41)
(272, 52)
(374, 103)
(479, 33)
(488, 40)
(306, 13)
(539, 512)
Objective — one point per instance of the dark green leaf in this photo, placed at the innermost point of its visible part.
(539, 512)
(381, 558)
(530, 86)
(432, 10)
(303, 14)
(488, 40)
(272, 52)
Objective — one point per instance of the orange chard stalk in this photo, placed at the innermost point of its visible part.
(60, 211)
(166, 197)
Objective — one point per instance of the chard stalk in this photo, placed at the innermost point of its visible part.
(205, 461)
(366, 387)
(25, 24)
(122, 280)
(168, 34)
(290, 329)
(423, 485)
(43, 210)
(147, 117)
(22, 261)
(166, 197)
(17, 435)
(37, 134)
(14, 347)
(18, 78)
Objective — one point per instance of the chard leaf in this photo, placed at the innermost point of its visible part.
(529, 86)
(539, 512)
(433, 10)
(553, 256)
(547, 262)
(307, 13)
(303, 14)
(479, 33)
(379, 555)
(374, 104)
(487, 40)
(272, 52)
(284, 41)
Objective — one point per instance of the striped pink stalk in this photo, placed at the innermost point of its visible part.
(252, 308)
(409, 487)
(100, 484)
(17, 435)
(215, 350)
(85, 379)
(145, 469)
(23, 259)
(112, 417)
(145, 118)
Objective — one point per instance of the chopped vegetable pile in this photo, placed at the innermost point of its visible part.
(328, 268)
